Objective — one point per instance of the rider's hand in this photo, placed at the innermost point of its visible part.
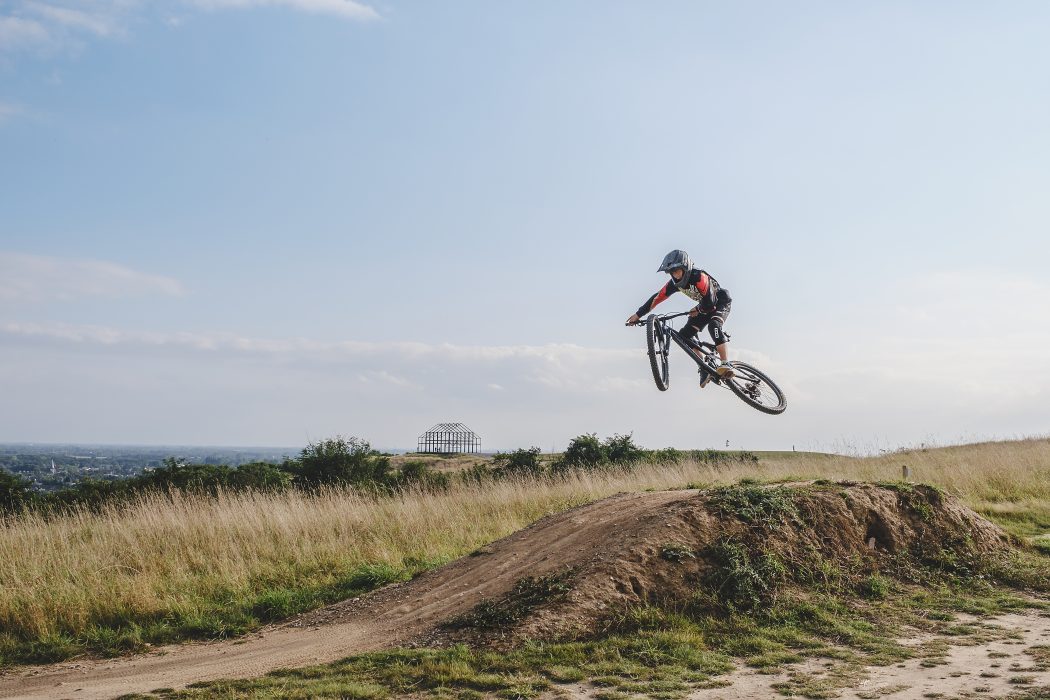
(632, 320)
(694, 312)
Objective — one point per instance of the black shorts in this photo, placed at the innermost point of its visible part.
(712, 319)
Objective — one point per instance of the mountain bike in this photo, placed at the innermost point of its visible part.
(753, 387)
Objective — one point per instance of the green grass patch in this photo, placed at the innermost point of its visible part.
(667, 654)
(228, 614)
(757, 505)
(528, 593)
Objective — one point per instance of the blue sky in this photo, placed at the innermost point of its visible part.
(266, 222)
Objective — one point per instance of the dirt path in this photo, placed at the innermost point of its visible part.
(989, 669)
(177, 666)
(386, 618)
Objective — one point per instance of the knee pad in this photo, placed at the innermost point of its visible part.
(716, 331)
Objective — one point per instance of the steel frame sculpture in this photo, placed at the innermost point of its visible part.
(448, 438)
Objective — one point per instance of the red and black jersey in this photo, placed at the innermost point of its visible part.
(697, 285)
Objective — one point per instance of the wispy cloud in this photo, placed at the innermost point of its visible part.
(516, 394)
(100, 20)
(18, 33)
(564, 356)
(37, 278)
(58, 25)
(339, 8)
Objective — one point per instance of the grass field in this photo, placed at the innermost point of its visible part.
(172, 567)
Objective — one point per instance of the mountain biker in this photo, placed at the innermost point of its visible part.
(711, 311)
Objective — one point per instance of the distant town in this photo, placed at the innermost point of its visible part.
(55, 466)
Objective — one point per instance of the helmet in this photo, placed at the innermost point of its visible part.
(676, 258)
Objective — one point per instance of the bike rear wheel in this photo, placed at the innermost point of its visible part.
(657, 341)
(756, 389)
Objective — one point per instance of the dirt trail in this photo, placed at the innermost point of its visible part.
(989, 669)
(391, 616)
(177, 666)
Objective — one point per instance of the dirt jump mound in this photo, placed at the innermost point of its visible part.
(574, 574)
(586, 571)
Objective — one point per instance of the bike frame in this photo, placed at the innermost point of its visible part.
(701, 352)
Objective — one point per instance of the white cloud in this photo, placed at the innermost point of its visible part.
(48, 27)
(340, 8)
(97, 19)
(567, 357)
(17, 33)
(384, 377)
(37, 278)
(58, 25)
(222, 388)
(955, 300)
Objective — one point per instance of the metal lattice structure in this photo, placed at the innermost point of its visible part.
(449, 438)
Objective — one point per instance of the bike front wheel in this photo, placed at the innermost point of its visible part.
(657, 341)
(756, 389)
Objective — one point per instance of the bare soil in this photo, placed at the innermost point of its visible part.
(612, 554)
(992, 668)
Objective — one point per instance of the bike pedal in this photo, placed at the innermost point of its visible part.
(705, 380)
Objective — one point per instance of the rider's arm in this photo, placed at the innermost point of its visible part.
(665, 291)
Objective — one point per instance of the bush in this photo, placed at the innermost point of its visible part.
(519, 462)
(587, 452)
(185, 477)
(16, 493)
(622, 450)
(584, 451)
(418, 475)
(262, 476)
(477, 474)
(745, 579)
(342, 461)
(666, 455)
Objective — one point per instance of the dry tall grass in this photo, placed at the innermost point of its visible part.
(169, 555)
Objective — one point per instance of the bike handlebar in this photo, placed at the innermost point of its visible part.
(664, 317)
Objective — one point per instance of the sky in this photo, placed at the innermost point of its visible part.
(270, 222)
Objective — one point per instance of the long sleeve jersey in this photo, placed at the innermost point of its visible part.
(698, 286)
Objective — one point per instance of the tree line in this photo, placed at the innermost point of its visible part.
(340, 462)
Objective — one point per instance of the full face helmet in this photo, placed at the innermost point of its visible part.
(677, 259)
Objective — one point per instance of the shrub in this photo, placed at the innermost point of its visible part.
(668, 455)
(418, 475)
(760, 507)
(587, 452)
(622, 450)
(262, 476)
(16, 493)
(584, 451)
(519, 462)
(745, 579)
(342, 460)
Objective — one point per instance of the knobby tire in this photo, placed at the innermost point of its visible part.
(748, 381)
(656, 340)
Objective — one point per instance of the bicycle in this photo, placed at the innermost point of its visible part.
(752, 386)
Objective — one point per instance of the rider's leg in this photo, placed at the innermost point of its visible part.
(719, 336)
(693, 326)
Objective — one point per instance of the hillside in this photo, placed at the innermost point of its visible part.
(574, 574)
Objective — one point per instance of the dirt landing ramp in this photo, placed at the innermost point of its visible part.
(393, 615)
(623, 551)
